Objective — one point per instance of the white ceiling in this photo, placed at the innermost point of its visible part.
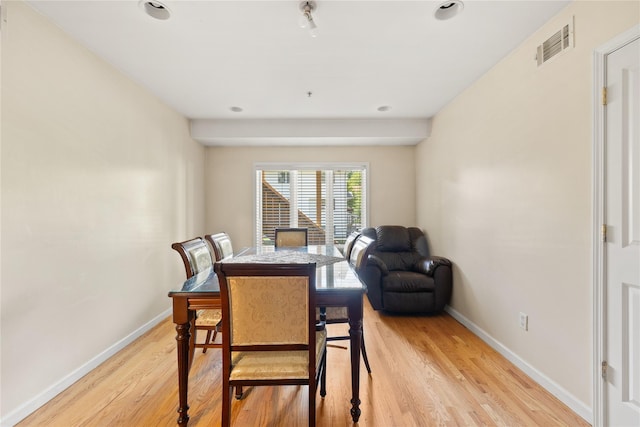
(214, 55)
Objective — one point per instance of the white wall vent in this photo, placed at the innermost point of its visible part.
(559, 42)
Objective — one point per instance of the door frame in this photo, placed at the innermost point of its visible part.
(599, 296)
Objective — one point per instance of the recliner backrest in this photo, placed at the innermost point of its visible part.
(419, 241)
(393, 238)
(397, 246)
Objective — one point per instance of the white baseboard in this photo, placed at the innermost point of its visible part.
(24, 410)
(552, 387)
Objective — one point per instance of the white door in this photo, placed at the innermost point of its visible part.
(622, 247)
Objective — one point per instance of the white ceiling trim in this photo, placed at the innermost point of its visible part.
(302, 132)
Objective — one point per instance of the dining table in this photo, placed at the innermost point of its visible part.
(337, 285)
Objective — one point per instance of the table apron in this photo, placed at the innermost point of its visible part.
(204, 303)
(323, 299)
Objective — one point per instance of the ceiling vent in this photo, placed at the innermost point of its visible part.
(559, 42)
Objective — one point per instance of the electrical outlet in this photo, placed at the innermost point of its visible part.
(524, 321)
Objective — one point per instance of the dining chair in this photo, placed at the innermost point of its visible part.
(291, 350)
(291, 237)
(348, 243)
(358, 253)
(361, 249)
(222, 249)
(297, 237)
(221, 244)
(196, 257)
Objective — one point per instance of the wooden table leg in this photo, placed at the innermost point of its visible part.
(184, 360)
(355, 334)
(192, 339)
(184, 320)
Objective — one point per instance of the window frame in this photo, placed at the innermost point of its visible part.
(305, 166)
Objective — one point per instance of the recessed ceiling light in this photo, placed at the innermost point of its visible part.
(384, 108)
(155, 9)
(448, 9)
(236, 109)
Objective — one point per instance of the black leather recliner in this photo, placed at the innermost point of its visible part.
(400, 274)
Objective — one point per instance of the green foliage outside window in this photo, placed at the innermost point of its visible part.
(354, 187)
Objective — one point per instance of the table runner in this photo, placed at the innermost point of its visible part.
(285, 256)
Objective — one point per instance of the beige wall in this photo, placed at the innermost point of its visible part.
(505, 191)
(230, 183)
(98, 178)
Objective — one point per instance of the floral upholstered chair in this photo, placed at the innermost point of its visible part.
(289, 348)
(291, 237)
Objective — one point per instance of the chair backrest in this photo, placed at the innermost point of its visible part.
(195, 255)
(360, 251)
(221, 244)
(348, 244)
(267, 305)
(290, 237)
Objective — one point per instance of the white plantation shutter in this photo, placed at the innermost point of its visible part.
(329, 200)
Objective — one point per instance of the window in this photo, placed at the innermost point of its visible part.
(296, 195)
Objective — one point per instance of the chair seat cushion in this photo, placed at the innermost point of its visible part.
(407, 281)
(208, 317)
(268, 365)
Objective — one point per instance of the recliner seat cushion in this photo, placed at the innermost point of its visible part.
(407, 282)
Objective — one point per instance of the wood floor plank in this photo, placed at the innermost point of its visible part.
(427, 371)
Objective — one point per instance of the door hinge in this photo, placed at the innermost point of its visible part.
(603, 231)
(604, 369)
(604, 96)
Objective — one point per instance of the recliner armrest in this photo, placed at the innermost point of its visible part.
(428, 265)
(377, 262)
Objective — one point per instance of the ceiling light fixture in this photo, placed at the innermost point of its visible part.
(448, 9)
(306, 20)
(155, 9)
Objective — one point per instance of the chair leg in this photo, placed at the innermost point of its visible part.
(238, 392)
(312, 405)
(364, 354)
(206, 341)
(323, 376)
(226, 404)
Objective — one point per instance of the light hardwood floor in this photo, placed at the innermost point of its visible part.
(427, 371)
